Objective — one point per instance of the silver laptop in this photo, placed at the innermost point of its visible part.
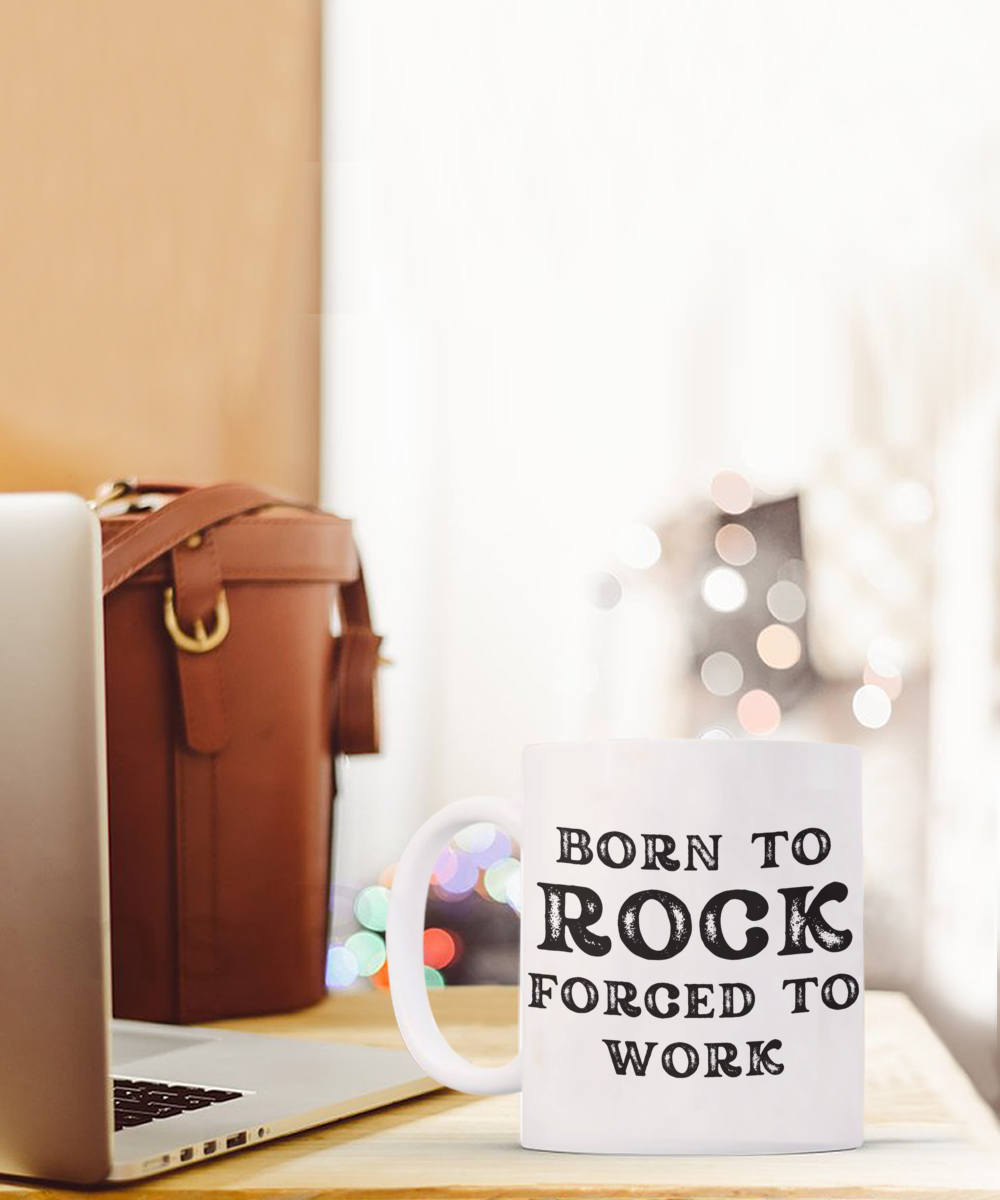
(83, 1098)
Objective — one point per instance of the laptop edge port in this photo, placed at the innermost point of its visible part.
(210, 1147)
(238, 1139)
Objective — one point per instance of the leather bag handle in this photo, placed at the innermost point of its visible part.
(189, 512)
(355, 716)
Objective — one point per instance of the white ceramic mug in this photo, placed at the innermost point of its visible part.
(691, 947)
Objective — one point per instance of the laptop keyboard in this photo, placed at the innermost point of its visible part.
(139, 1101)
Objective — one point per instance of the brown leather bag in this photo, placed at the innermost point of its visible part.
(227, 698)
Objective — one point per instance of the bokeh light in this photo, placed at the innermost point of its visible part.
(724, 589)
(736, 545)
(872, 706)
(498, 876)
(779, 647)
(499, 847)
(731, 492)
(885, 656)
(341, 967)
(637, 546)
(371, 907)
(604, 590)
(786, 601)
(462, 880)
(758, 712)
(892, 685)
(445, 866)
(480, 858)
(368, 950)
(721, 673)
(439, 948)
(475, 837)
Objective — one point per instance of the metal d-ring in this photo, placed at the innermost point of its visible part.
(202, 642)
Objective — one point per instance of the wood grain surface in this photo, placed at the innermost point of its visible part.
(928, 1134)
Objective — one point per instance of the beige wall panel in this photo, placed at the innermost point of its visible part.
(159, 241)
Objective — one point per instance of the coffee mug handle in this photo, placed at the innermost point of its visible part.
(405, 945)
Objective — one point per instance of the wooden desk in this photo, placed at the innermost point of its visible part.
(929, 1136)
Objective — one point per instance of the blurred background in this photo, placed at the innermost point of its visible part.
(655, 349)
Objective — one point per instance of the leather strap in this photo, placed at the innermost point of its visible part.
(355, 710)
(188, 513)
(279, 545)
(197, 584)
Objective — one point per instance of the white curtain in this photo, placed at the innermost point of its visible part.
(581, 255)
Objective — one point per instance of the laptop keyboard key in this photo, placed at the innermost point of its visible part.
(148, 1109)
(124, 1120)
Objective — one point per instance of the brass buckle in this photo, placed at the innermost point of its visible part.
(111, 490)
(202, 642)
